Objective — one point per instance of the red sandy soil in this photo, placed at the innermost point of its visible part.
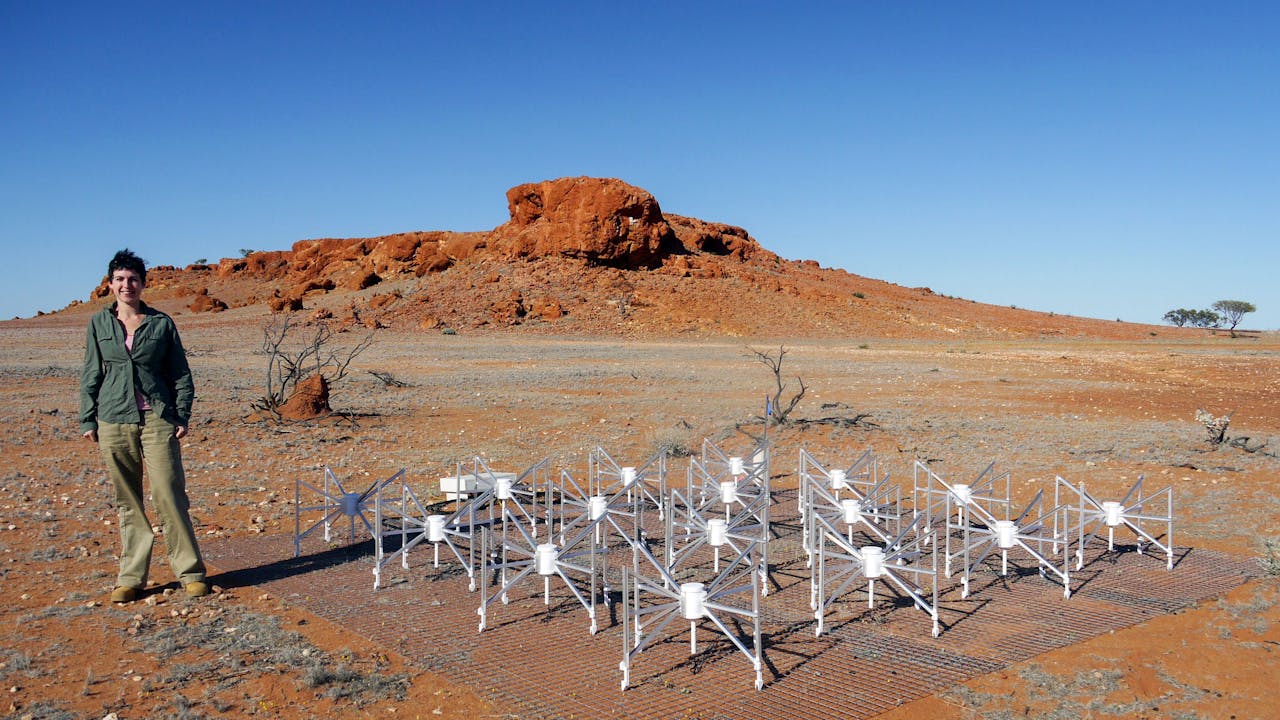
(591, 318)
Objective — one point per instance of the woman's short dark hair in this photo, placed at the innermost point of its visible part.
(126, 260)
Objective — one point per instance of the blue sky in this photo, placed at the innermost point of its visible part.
(1111, 160)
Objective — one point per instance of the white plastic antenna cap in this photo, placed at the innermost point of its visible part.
(503, 488)
(736, 466)
(693, 597)
(873, 561)
(545, 557)
(435, 528)
(837, 479)
(1006, 531)
(628, 476)
(598, 505)
(1114, 512)
(962, 493)
(851, 511)
(728, 492)
(717, 531)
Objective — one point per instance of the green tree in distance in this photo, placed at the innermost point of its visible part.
(1205, 318)
(1179, 317)
(1233, 311)
(1194, 318)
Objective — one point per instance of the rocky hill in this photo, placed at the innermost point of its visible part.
(599, 257)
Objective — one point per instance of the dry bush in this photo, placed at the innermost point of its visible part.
(781, 415)
(295, 351)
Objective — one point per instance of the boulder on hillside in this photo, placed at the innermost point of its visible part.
(278, 303)
(308, 286)
(204, 302)
(712, 238)
(509, 311)
(363, 280)
(548, 309)
(268, 265)
(602, 220)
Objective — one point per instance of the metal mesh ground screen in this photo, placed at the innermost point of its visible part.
(540, 660)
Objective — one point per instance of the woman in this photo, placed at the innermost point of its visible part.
(135, 402)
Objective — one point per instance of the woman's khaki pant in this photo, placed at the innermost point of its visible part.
(127, 449)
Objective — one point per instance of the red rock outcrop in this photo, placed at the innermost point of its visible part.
(595, 256)
(548, 309)
(603, 221)
(267, 264)
(284, 303)
(699, 237)
(363, 280)
(509, 311)
(203, 302)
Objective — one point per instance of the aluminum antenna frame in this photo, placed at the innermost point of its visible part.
(859, 496)
(719, 480)
(1091, 516)
(388, 508)
(336, 502)
(645, 485)
(661, 593)
(939, 501)
(624, 493)
(906, 562)
(689, 528)
(982, 533)
(522, 554)
(457, 531)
